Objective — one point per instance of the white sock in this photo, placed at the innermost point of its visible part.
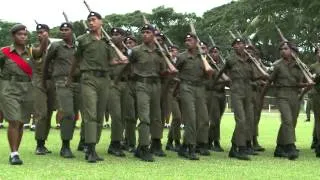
(14, 153)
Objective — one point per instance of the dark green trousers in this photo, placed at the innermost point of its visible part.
(216, 106)
(316, 111)
(194, 114)
(69, 105)
(243, 114)
(44, 105)
(130, 114)
(149, 112)
(94, 93)
(257, 109)
(289, 109)
(174, 131)
(116, 106)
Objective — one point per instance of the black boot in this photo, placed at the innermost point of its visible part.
(81, 145)
(192, 153)
(242, 154)
(280, 151)
(156, 148)
(169, 145)
(41, 149)
(177, 145)
(65, 150)
(115, 149)
(143, 152)
(256, 145)
(250, 150)
(217, 147)
(203, 150)
(233, 151)
(90, 155)
(317, 151)
(15, 160)
(314, 142)
(183, 151)
(292, 152)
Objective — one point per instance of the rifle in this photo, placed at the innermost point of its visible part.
(36, 22)
(205, 63)
(168, 62)
(257, 63)
(214, 44)
(116, 49)
(303, 67)
(73, 34)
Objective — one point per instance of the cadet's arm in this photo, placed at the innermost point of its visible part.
(37, 52)
(48, 59)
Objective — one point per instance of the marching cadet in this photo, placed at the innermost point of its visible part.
(216, 103)
(16, 65)
(130, 114)
(193, 101)
(240, 70)
(94, 55)
(174, 134)
(288, 80)
(315, 95)
(44, 98)
(59, 55)
(148, 65)
(117, 99)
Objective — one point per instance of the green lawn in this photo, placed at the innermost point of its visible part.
(217, 166)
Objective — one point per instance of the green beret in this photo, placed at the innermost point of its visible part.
(17, 27)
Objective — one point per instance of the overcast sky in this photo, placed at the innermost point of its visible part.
(50, 11)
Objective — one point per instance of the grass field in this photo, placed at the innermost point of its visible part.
(216, 166)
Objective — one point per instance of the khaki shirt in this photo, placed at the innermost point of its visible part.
(93, 54)
(9, 67)
(286, 76)
(147, 62)
(60, 55)
(191, 68)
(241, 73)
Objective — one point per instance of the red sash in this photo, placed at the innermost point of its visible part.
(21, 63)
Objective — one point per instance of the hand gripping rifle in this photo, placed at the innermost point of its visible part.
(253, 59)
(205, 63)
(303, 67)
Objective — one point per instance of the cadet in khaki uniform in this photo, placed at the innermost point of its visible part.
(1, 100)
(174, 134)
(148, 64)
(130, 114)
(16, 67)
(193, 100)
(287, 78)
(240, 70)
(117, 100)
(93, 54)
(315, 95)
(60, 55)
(216, 104)
(44, 98)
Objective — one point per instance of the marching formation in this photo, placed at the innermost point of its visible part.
(100, 73)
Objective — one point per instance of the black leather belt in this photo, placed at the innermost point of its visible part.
(123, 79)
(96, 73)
(17, 78)
(193, 83)
(149, 80)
